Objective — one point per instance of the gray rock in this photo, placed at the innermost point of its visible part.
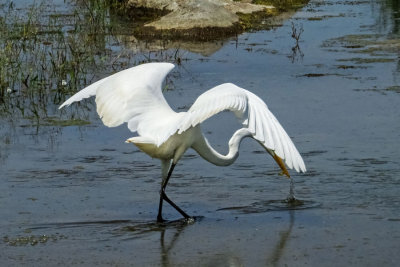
(189, 14)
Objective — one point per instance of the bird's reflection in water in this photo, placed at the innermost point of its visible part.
(282, 243)
(170, 238)
(167, 245)
(175, 227)
(223, 259)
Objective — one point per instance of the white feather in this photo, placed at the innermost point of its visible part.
(263, 125)
(135, 96)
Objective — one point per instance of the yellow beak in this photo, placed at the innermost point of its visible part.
(281, 165)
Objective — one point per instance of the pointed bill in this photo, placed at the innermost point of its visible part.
(281, 165)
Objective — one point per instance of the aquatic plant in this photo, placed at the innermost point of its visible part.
(46, 54)
(296, 54)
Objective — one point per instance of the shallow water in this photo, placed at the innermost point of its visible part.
(78, 195)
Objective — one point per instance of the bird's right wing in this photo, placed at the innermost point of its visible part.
(253, 113)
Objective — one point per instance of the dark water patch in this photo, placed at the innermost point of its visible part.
(58, 178)
(312, 173)
(362, 60)
(346, 67)
(108, 150)
(131, 152)
(150, 181)
(47, 174)
(93, 159)
(314, 153)
(143, 165)
(140, 226)
(190, 156)
(181, 184)
(372, 161)
(243, 166)
(120, 170)
(45, 159)
(273, 205)
(136, 230)
(316, 75)
(366, 162)
(60, 225)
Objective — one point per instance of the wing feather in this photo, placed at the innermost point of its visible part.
(133, 95)
(269, 141)
(254, 114)
(84, 93)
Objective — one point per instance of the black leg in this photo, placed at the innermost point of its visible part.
(162, 193)
(163, 196)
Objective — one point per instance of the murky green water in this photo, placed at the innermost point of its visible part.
(73, 193)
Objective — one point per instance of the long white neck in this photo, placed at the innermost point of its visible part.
(210, 154)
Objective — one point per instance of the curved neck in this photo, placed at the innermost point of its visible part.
(210, 154)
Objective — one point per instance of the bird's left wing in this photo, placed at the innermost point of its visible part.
(253, 113)
(132, 95)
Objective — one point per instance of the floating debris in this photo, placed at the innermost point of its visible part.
(32, 240)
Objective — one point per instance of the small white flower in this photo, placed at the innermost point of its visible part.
(64, 82)
(9, 90)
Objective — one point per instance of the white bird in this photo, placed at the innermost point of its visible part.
(135, 96)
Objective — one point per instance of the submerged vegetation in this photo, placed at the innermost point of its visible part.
(46, 54)
(282, 5)
(377, 47)
(44, 57)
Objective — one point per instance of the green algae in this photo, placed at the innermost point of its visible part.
(282, 5)
(371, 44)
(376, 48)
(361, 60)
(54, 121)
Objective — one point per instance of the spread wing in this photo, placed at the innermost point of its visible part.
(253, 113)
(133, 95)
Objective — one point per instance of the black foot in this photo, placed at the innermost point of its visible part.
(160, 219)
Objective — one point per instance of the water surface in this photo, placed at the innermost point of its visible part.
(73, 193)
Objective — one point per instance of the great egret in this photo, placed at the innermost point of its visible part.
(134, 96)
